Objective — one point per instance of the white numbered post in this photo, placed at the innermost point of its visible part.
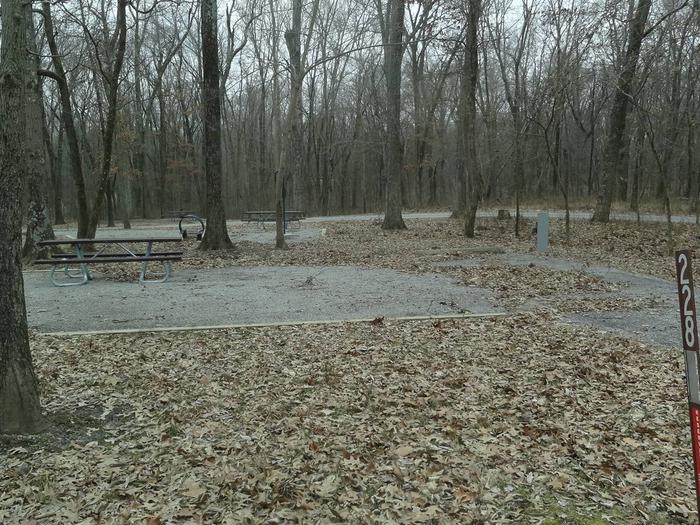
(689, 332)
(542, 231)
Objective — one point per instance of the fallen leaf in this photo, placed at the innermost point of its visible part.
(404, 451)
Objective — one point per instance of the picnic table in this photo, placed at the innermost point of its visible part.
(178, 214)
(101, 252)
(261, 217)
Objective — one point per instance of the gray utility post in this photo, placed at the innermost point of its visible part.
(542, 231)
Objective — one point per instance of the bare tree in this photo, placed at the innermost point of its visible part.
(471, 78)
(76, 163)
(38, 222)
(313, 102)
(166, 44)
(392, 34)
(20, 410)
(291, 155)
(614, 143)
(216, 236)
(110, 67)
(512, 62)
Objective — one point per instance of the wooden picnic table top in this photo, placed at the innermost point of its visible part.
(273, 212)
(180, 214)
(55, 242)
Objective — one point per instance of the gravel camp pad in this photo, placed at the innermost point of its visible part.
(259, 284)
(247, 295)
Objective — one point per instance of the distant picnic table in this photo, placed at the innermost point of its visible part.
(178, 214)
(74, 265)
(261, 217)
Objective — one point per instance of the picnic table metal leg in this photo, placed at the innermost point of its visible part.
(83, 273)
(83, 276)
(142, 277)
(166, 268)
(83, 267)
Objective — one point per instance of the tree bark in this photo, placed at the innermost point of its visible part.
(162, 146)
(216, 235)
(55, 158)
(140, 143)
(612, 165)
(393, 52)
(277, 137)
(20, 410)
(38, 222)
(471, 77)
(294, 140)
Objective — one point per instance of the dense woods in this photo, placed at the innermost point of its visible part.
(342, 108)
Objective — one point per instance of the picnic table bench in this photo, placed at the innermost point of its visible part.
(261, 217)
(128, 253)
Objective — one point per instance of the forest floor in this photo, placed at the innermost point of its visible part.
(484, 421)
(531, 418)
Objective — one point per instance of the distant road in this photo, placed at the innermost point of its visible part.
(530, 214)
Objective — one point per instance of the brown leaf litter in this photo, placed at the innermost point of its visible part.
(498, 421)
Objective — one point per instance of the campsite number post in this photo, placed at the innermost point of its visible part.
(689, 331)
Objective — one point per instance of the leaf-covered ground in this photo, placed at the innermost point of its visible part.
(510, 420)
(515, 285)
(642, 248)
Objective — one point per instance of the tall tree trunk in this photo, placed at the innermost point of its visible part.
(294, 140)
(38, 222)
(519, 167)
(421, 125)
(471, 77)
(109, 196)
(112, 89)
(162, 148)
(638, 165)
(20, 410)
(258, 181)
(461, 201)
(277, 136)
(613, 154)
(55, 158)
(591, 150)
(76, 162)
(216, 235)
(140, 143)
(393, 52)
